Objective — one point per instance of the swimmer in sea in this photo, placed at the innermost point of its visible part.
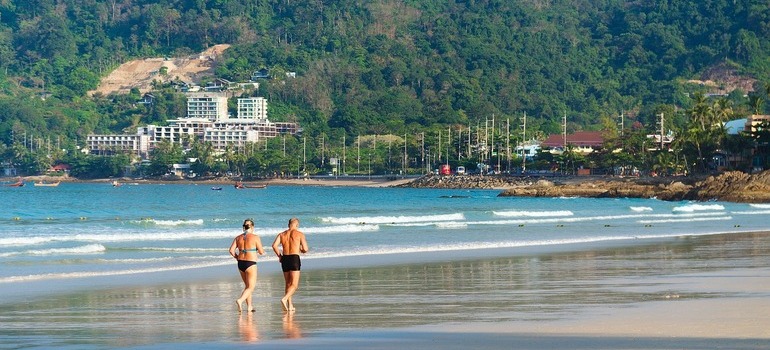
(245, 248)
(287, 246)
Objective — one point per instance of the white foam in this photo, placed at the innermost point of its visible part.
(72, 275)
(640, 209)
(525, 213)
(341, 229)
(22, 241)
(660, 221)
(760, 206)
(756, 212)
(451, 225)
(81, 250)
(393, 219)
(698, 207)
(579, 219)
(173, 222)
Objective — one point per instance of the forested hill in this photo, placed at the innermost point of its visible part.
(380, 66)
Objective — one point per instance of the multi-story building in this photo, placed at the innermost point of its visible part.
(755, 121)
(111, 144)
(206, 105)
(207, 121)
(253, 108)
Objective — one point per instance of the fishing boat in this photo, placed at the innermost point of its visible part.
(216, 188)
(239, 185)
(46, 184)
(19, 183)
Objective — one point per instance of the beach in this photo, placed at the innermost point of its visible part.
(705, 292)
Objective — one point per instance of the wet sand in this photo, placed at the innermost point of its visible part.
(708, 292)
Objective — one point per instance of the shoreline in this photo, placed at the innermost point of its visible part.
(732, 186)
(341, 181)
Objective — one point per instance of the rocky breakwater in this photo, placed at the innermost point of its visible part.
(730, 186)
(467, 182)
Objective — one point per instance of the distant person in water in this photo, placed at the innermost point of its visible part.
(287, 246)
(245, 248)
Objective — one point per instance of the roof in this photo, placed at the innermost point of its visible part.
(60, 167)
(578, 138)
(734, 127)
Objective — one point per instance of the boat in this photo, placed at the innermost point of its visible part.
(115, 183)
(239, 185)
(216, 188)
(19, 183)
(46, 184)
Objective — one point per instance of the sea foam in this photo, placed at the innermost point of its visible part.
(527, 213)
(393, 219)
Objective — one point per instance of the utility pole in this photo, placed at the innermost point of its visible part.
(469, 140)
(524, 138)
(508, 144)
(422, 149)
(662, 130)
(448, 143)
(459, 143)
(403, 173)
(564, 131)
(344, 153)
(439, 148)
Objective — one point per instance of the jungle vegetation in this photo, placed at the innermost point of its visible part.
(409, 72)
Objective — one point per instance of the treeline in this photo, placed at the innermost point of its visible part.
(382, 67)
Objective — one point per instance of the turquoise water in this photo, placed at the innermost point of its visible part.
(82, 232)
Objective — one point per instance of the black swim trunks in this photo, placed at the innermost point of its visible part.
(290, 263)
(245, 264)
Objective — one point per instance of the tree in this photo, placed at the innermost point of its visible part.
(163, 156)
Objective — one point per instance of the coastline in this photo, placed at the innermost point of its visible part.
(331, 181)
(729, 186)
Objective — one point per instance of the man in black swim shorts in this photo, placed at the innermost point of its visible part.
(290, 263)
(287, 246)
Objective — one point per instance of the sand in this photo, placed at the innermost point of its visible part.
(709, 292)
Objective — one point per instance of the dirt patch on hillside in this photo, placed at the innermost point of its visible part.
(140, 73)
(723, 79)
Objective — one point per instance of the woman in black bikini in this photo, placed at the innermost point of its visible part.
(245, 248)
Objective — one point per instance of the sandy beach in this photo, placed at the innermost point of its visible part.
(331, 181)
(709, 292)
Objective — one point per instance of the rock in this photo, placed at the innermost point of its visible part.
(731, 186)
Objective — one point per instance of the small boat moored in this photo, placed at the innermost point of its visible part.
(46, 184)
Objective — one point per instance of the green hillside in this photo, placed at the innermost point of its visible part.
(383, 66)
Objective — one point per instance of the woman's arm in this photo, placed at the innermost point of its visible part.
(232, 248)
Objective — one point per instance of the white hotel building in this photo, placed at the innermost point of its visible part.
(207, 120)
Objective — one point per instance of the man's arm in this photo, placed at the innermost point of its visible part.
(303, 244)
(277, 242)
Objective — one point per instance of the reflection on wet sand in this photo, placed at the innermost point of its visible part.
(248, 328)
(290, 327)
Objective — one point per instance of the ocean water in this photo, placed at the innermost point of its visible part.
(81, 234)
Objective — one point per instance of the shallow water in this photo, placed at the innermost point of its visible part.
(521, 287)
(78, 235)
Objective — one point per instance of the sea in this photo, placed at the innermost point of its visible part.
(89, 265)
(84, 234)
